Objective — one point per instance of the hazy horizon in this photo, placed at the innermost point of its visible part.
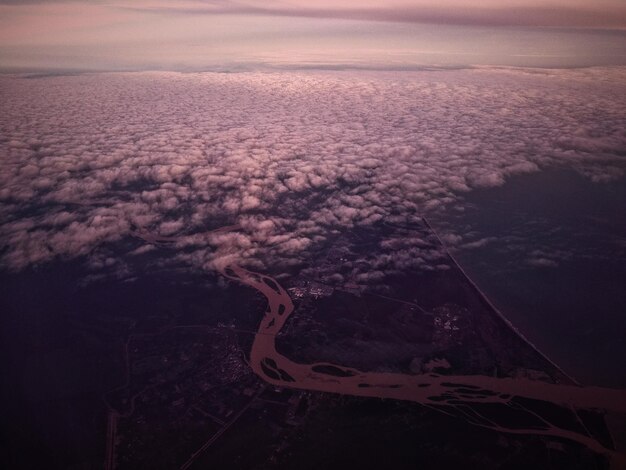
(196, 36)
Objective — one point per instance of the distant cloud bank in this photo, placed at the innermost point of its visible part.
(292, 158)
(563, 13)
(529, 13)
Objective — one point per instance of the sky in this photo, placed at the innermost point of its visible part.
(254, 34)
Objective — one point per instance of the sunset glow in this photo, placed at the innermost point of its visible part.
(254, 34)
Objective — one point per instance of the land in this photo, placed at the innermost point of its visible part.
(190, 381)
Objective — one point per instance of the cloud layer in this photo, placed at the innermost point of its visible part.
(291, 158)
(569, 13)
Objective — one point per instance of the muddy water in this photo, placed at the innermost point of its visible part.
(432, 389)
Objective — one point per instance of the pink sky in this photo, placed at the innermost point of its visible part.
(157, 34)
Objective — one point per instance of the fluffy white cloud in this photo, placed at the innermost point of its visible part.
(291, 158)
